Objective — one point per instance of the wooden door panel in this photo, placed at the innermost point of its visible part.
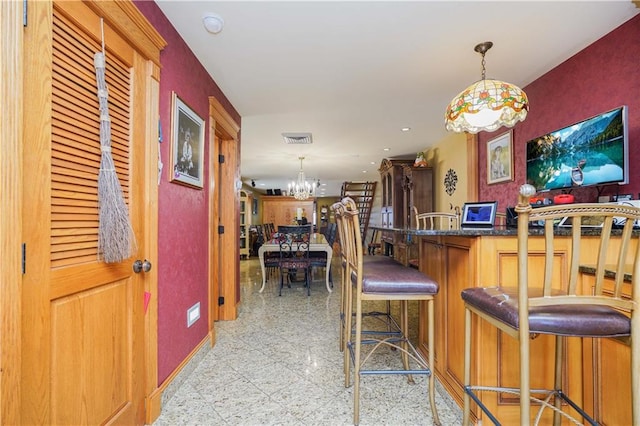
(70, 280)
(91, 379)
(459, 272)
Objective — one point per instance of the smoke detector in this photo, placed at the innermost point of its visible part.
(213, 23)
(297, 138)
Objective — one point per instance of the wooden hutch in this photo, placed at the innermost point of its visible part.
(403, 187)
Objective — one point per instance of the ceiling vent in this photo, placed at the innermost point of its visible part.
(297, 138)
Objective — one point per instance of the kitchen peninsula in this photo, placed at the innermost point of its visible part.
(458, 259)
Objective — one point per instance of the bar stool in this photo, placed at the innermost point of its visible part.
(557, 307)
(338, 209)
(384, 281)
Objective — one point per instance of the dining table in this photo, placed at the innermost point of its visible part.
(318, 243)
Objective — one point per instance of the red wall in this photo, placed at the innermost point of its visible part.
(601, 77)
(182, 211)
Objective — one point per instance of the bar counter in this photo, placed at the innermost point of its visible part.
(464, 258)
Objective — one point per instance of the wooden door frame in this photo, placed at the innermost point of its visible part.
(224, 266)
(11, 64)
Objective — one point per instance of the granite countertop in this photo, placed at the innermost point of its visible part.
(495, 231)
(609, 271)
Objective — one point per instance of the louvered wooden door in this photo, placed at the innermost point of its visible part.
(83, 320)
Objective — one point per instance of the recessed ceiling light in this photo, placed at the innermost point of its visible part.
(387, 149)
(406, 129)
(373, 162)
(364, 171)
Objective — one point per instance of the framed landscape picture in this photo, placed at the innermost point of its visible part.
(187, 144)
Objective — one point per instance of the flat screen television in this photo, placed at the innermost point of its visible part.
(591, 152)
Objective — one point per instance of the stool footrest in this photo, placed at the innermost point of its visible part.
(550, 393)
(373, 372)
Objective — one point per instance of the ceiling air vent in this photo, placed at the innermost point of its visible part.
(297, 138)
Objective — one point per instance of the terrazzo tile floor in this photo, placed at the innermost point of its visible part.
(279, 364)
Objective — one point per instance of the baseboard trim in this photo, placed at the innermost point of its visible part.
(163, 393)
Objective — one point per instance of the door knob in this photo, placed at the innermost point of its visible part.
(140, 266)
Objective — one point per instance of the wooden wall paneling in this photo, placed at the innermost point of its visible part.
(282, 210)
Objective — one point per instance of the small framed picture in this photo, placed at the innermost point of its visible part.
(479, 215)
(187, 144)
(500, 159)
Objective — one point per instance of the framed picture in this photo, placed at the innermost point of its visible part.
(479, 215)
(187, 144)
(500, 159)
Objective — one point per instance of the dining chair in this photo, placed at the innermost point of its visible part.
(295, 230)
(547, 300)
(294, 255)
(381, 281)
(269, 230)
(318, 259)
(375, 245)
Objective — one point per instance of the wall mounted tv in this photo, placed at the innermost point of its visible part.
(590, 152)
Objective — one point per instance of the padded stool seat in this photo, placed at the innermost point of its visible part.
(564, 320)
(384, 278)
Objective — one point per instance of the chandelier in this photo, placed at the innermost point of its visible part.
(300, 189)
(486, 104)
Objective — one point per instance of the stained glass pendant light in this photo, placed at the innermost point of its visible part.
(486, 105)
(300, 189)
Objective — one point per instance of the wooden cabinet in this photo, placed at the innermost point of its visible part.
(403, 187)
(606, 366)
(245, 222)
(283, 210)
(458, 262)
(417, 191)
(391, 176)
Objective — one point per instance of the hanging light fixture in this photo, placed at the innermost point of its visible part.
(300, 189)
(486, 104)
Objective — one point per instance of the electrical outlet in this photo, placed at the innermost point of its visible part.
(193, 314)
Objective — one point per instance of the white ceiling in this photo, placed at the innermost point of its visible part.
(355, 73)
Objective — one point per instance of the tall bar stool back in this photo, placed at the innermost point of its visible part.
(381, 281)
(526, 308)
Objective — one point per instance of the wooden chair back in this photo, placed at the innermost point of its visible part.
(436, 220)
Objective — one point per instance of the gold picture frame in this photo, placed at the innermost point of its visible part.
(500, 158)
